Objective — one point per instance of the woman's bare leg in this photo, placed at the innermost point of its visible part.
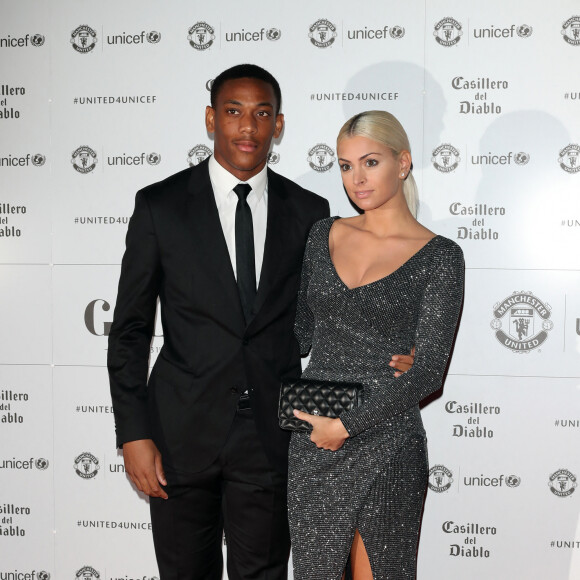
(360, 564)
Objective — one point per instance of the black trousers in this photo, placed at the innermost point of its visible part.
(240, 494)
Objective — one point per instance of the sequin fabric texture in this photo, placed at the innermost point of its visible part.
(376, 482)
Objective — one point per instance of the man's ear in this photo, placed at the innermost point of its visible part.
(210, 119)
(279, 125)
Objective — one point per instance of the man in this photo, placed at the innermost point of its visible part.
(221, 245)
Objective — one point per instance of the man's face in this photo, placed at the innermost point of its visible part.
(243, 122)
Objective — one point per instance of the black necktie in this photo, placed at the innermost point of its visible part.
(245, 260)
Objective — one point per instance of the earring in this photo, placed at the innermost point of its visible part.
(402, 175)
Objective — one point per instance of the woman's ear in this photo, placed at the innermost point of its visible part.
(405, 163)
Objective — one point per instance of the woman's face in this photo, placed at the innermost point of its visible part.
(371, 174)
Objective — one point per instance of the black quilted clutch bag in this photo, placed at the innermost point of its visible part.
(325, 398)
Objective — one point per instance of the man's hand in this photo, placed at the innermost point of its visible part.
(144, 467)
(326, 433)
(402, 362)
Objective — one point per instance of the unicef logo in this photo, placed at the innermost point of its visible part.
(321, 157)
(448, 32)
(273, 34)
(322, 33)
(562, 483)
(513, 480)
(273, 157)
(154, 159)
(153, 37)
(86, 465)
(43, 575)
(521, 158)
(440, 478)
(41, 463)
(201, 36)
(84, 159)
(37, 40)
(569, 158)
(524, 31)
(571, 30)
(445, 158)
(83, 38)
(87, 573)
(38, 160)
(198, 154)
(397, 32)
(521, 322)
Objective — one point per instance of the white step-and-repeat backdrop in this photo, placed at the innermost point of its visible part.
(98, 99)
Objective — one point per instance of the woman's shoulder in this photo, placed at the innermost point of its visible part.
(448, 250)
(322, 227)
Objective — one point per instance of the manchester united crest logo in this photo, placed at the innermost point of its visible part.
(86, 465)
(448, 32)
(321, 157)
(201, 36)
(322, 33)
(521, 322)
(83, 38)
(440, 478)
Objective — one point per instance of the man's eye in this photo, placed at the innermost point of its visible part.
(263, 114)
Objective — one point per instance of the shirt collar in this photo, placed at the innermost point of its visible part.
(223, 182)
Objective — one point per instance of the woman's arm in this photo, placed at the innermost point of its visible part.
(304, 324)
(438, 316)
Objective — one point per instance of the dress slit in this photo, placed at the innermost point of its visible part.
(349, 575)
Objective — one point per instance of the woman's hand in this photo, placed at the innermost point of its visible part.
(326, 433)
(401, 363)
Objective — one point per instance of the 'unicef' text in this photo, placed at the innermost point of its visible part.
(354, 96)
(123, 100)
(114, 525)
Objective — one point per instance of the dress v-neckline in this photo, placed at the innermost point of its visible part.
(382, 278)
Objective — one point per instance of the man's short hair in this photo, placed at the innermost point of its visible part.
(245, 71)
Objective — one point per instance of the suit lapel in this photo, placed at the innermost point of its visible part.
(277, 228)
(210, 244)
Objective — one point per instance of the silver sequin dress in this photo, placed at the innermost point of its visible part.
(376, 482)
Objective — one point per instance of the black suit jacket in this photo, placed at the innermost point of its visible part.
(176, 251)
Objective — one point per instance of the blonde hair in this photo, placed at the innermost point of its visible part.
(385, 128)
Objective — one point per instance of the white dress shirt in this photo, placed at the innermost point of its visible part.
(223, 183)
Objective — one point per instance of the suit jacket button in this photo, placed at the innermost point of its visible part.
(234, 390)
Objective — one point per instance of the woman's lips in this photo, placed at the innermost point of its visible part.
(362, 194)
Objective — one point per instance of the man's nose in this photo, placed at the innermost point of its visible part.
(248, 124)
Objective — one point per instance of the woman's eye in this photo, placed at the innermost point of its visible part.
(345, 167)
(371, 162)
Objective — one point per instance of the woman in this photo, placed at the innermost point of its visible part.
(372, 284)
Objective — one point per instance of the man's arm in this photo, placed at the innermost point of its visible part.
(129, 349)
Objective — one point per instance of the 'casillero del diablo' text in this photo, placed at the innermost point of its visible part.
(479, 84)
(457, 208)
(472, 408)
(450, 527)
